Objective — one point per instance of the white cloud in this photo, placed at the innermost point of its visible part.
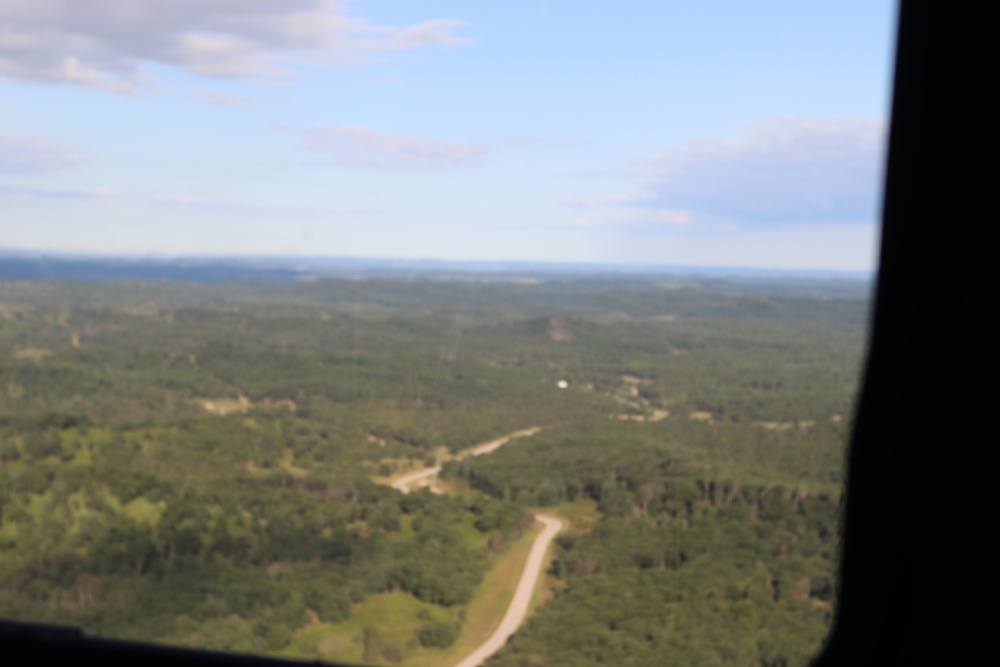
(784, 171)
(668, 217)
(381, 38)
(25, 153)
(229, 100)
(151, 200)
(104, 43)
(598, 202)
(852, 247)
(361, 147)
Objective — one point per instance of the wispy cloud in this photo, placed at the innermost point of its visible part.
(642, 221)
(48, 193)
(362, 147)
(163, 200)
(30, 154)
(609, 200)
(668, 217)
(105, 43)
(784, 170)
(230, 101)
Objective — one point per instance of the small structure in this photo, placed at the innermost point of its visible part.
(562, 384)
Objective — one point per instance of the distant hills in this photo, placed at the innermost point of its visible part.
(18, 265)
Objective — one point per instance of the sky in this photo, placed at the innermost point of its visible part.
(714, 133)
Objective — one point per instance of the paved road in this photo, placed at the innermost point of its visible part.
(518, 608)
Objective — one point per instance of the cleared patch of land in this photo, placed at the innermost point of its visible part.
(225, 406)
(32, 353)
(395, 618)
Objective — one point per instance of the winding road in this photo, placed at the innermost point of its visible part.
(405, 484)
(518, 608)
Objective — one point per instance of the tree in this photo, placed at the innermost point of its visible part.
(437, 634)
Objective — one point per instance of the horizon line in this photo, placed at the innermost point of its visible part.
(291, 260)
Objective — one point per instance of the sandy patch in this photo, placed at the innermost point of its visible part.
(280, 403)
(32, 353)
(700, 415)
(274, 570)
(10, 310)
(558, 331)
(777, 426)
(658, 415)
(226, 406)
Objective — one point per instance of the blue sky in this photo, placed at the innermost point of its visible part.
(716, 133)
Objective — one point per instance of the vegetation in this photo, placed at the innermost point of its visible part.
(200, 464)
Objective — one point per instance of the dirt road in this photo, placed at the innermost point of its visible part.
(488, 447)
(519, 604)
(518, 608)
(406, 484)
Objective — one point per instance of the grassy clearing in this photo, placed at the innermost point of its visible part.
(488, 606)
(397, 616)
(224, 406)
(144, 511)
(578, 516)
(32, 353)
(288, 463)
(455, 486)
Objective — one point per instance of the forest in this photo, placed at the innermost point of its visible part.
(209, 465)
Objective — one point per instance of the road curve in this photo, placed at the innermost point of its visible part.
(519, 604)
(403, 483)
(518, 608)
(488, 447)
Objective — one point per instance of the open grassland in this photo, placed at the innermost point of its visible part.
(396, 617)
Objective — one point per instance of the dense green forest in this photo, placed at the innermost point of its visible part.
(208, 465)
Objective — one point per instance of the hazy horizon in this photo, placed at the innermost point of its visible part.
(472, 265)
